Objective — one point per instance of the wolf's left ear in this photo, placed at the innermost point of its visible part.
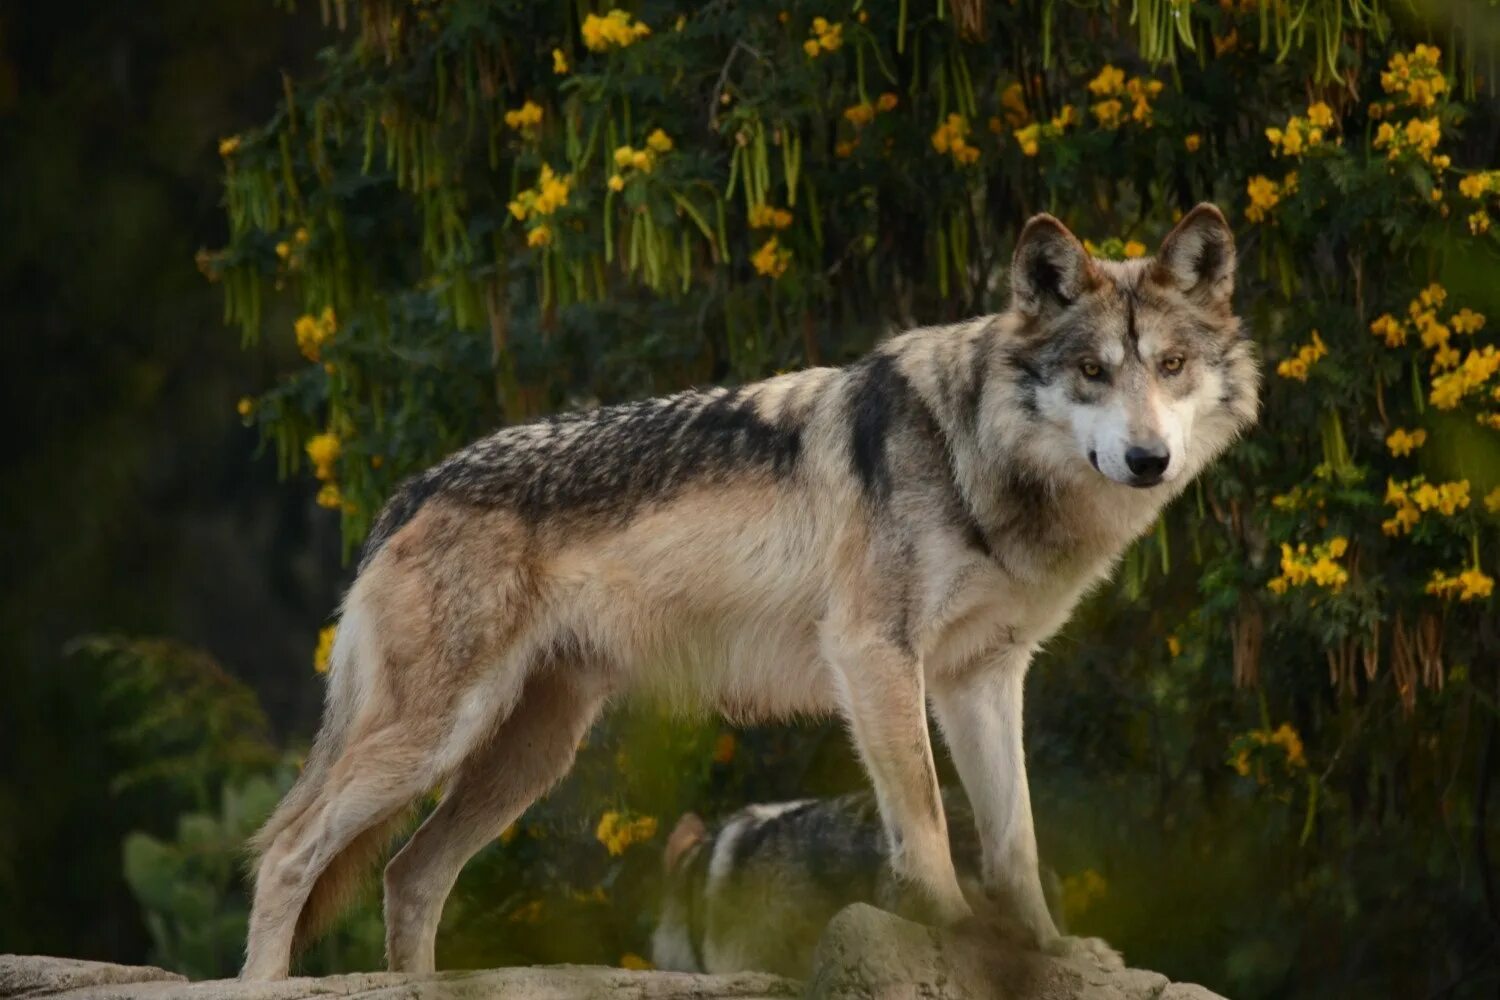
(1198, 256)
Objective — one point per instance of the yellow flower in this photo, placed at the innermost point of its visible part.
(843, 148)
(539, 237)
(325, 648)
(1192, 142)
(630, 960)
(314, 331)
(1027, 138)
(643, 161)
(860, 115)
(771, 260)
(245, 407)
(1134, 248)
(767, 216)
(323, 450)
(1320, 114)
(617, 29)
(283, 249)
(559, 62)
(1479, 222)
(1402, 442)
(811, 48)
(659, 141)
(616, 182)
(1109, 81)
(1391, 329)
(1469, 585)
(527, 116)
(1492, 501)
(886, 102)
(616, 832)
(1107, 113)
(951, 137)
(228, 147)
(623, 156)
(1466, 320)
(1174, 646)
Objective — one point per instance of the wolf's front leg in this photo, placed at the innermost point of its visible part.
(883, 700)
(980, 714)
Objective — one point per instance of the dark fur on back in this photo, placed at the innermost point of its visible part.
(605, 462)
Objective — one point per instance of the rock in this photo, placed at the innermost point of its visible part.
(865, 954)
(869, 954)
(36, 975)
(65, 979)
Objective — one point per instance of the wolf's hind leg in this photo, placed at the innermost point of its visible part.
(375, 779)
(494, 785)
(884, 702)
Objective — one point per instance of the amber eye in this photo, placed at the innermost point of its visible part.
(1172, 365)
(1091, 369)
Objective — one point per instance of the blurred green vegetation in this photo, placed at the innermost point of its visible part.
(1266, 770)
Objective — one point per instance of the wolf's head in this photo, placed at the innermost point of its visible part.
(1138, 368)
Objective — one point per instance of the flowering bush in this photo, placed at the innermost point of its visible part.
(475, 231)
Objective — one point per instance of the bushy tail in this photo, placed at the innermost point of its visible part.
(341, 879)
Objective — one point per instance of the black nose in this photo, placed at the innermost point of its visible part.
(1149, 462)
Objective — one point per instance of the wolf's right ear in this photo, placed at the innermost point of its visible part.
(1050, 267)
(688, 833)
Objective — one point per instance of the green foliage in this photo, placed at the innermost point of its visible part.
(184, 722)
(488, 211)
(194, 894)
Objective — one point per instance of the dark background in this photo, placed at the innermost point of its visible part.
(134, 500)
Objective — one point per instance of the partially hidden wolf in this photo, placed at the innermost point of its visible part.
(863, 541)
(755, 891)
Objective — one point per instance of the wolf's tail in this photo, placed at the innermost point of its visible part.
(350, 666)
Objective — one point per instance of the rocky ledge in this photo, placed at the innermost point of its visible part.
(865, 954)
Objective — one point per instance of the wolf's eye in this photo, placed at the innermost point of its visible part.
(1091, 369)
(1172, 364)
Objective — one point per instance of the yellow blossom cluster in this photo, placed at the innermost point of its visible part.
(1402, 442)
(1029, 136)
(1266, 194)
(1415, 79)
(1307, 355)
(952, 138)
(1113, 90)
(771, 259)
(1302, 134)
(560, 62)
(291, 250)
(825, 37)
(1436, 336)
(1318, 566)
(229, 146)
(525, 118)
(617, 831)
(617, 29)
(315, 331)
(539, 203)
(1450, 388)
(325, 648)
(642, 160)
(1284, 736)
(323, 451)
(861, 114)
(1013, 105)
(1477, 187)
(1417, 496)
(1468, 585)
(767, 216)
(1418, 138)
(1492, 501)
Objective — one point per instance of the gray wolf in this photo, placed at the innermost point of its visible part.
(860, 540)
(754, 892)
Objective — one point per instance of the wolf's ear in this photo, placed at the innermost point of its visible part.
(1197, 257)
(1050, 267)
(688, 833)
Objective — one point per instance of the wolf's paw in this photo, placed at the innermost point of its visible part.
(1096, 949)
